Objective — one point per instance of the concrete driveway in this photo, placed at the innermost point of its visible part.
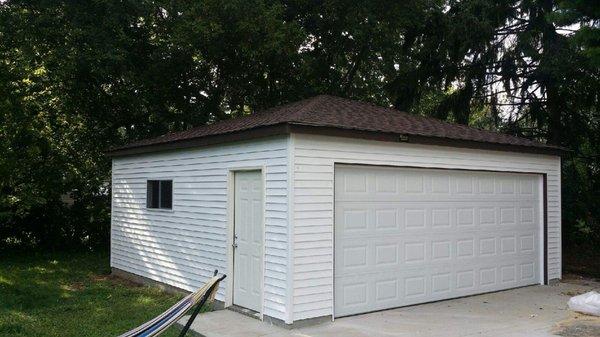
(531, 311)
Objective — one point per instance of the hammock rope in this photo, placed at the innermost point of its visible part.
(159, 324)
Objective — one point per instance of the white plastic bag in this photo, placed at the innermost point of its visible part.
(588, 303)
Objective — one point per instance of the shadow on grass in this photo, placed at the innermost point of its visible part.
(72, 294)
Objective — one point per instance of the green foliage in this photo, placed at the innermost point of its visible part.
(581, 16)
(79, 77)
(72, 295)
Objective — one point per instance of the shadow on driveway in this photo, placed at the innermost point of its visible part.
(535, 311)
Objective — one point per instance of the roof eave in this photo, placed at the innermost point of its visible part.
(248, 134)
(287, 128)
(425, 140)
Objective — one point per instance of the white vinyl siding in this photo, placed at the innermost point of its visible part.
(182, 247)
(313, 195)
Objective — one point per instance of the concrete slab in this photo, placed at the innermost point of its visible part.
(536, 311)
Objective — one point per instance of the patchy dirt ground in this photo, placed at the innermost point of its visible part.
(581, 280)
(579, 325)
(586, 263)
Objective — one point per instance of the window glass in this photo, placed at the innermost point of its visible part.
(166, 194)
(159, 194)
(152, 194)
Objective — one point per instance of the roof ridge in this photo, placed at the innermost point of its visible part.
(312, 101)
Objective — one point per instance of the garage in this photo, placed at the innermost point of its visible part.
(415, 235)
(329, 207)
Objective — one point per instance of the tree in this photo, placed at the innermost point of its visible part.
(77, 78)
(533, 66)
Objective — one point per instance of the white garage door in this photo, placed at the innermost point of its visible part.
(406, 236)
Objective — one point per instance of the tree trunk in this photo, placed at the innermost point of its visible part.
(553, 100)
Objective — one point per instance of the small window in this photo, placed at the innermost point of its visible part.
(159, 194)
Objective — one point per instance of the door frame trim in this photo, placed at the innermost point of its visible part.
(543, 218)
(231, 231)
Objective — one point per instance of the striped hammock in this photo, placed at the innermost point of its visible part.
(159, 324)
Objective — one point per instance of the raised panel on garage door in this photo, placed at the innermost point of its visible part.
(405, 236)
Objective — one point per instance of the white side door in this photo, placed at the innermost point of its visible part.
(248, 240)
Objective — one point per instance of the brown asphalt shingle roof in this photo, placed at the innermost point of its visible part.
(341, 113)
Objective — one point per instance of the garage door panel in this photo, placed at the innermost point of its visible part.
(438, 232)
(519, 269)
(398, 255)
(397, 261)
(359, 218)
(406, 236)
(376, 291)
(414, 182)
(436, 198)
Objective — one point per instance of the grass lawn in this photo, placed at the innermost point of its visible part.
(72, 295)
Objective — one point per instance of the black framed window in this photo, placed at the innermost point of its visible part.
(159, 194)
